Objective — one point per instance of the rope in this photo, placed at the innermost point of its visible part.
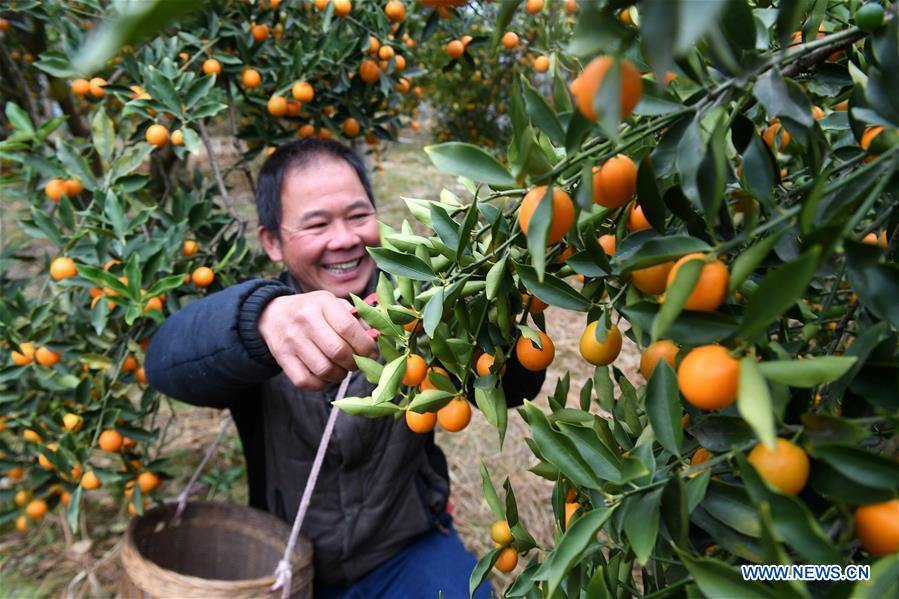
(181, 499)
(283, 573)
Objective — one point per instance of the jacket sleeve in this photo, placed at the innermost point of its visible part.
(518, 383)
(210, 351)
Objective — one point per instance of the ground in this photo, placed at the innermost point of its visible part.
(62, 564)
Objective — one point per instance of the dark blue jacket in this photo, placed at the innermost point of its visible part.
(381, 485)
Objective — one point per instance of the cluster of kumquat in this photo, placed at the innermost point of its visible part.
(100, 159)
(739, 234)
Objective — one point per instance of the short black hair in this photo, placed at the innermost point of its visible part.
(298, 154)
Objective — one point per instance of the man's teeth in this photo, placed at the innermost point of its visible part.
(341, 267)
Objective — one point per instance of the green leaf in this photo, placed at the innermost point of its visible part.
(130, 160)
(647, 248)
(663, 407)
(721, 433)
(538, 232)
(778, 291)
(104, 135)
(198, 89)
(467, 160)
(600, 459)
(55, 64)
(650, 199)
(749, 260)
(824, 428)
(445, 227)
(568, 551)
(481, 569)
(165, 285)
(876, 284)
(783, 98)
(130, 24)
(163, 90)
(74, 163)
(806, 373)
(433, 312)
(471, 219)
(731, 505)
(402, 265)
(390, 380)
(542, 115)
(727, 538)
(641, 523)
(115, 215)
(659, 26)
(552, 290)
(754, 402)
(812, 199)
(690, 328)
(884, 581)
(525, 581)
(695, 489)
(758, 169)
(490, 495)
(430, 400)
(717, 579)
(676, 296)
(363, 406)
(559, 451)
(19, 119)
(859, 465)
(73, 510)
(495, 277)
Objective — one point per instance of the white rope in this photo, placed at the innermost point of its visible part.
(283, 573)
(181, 499)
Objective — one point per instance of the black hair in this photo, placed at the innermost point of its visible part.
(293, 155)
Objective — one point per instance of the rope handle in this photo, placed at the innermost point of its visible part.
(181, 499)
(283, 572)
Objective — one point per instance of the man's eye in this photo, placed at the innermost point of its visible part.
(316, 226)
(362, 216)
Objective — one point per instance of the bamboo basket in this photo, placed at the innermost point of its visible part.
(213, 550)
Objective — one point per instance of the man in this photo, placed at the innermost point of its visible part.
(273, 351)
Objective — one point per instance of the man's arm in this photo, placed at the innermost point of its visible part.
(210, 351)
(518, 383)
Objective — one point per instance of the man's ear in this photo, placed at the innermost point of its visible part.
(270, 243)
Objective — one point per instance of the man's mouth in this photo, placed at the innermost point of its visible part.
(339, 268)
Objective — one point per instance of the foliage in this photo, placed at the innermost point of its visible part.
(469, 94)
(138, 219)
(803, 224)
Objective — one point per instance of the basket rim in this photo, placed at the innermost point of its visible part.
(130, 547)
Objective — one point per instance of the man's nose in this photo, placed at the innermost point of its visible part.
(342, 235)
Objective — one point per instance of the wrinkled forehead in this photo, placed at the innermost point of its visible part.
(322, 184)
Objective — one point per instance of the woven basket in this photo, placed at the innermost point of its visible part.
(214, 550)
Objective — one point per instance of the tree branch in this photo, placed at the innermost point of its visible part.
(238, 145)
(217, 173)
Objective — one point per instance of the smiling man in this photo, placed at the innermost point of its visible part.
(272, 352)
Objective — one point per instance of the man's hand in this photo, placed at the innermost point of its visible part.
(313, 336)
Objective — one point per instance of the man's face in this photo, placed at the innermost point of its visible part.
(327, 222)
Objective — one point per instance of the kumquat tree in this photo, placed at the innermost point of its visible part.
(712, 181)
(123, 207)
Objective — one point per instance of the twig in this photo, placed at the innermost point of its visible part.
(23, 85)
(216, 171)
(238, 145)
